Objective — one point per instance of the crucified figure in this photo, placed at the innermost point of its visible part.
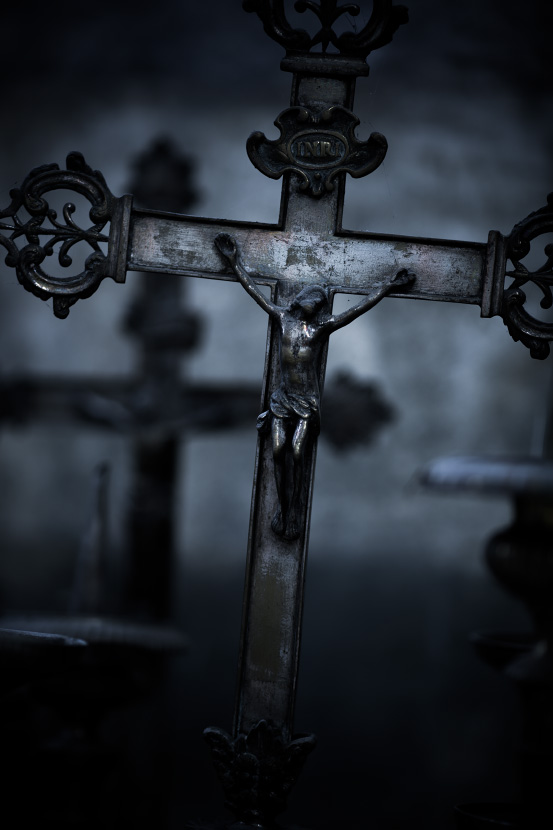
(293, 417)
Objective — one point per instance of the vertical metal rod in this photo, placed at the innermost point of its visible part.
(275, 570)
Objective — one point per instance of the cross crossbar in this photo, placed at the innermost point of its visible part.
(350, 262)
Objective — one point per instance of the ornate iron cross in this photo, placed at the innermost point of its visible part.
(305, 259)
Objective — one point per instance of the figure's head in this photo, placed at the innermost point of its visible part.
(311, 300)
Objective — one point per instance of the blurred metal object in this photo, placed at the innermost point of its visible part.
(489, 474)
(355, 409)
(90, 576)
(163, 177)
(29, 655)
(105, 631)
(121, 667)
(166, 330)
(521, 558)
(87, 618)
(28, 659)
(17, 642)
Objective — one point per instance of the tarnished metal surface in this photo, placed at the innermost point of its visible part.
(520, 557)
(348, 262)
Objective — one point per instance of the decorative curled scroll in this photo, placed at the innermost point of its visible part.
(257, 770)
(535, 334)
(379, 30)
(317, 147)
(43, 222)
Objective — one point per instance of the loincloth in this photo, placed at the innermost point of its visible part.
(289, 406)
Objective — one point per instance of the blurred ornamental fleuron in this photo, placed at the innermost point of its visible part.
(162, 178)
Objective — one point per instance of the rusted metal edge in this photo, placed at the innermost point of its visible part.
(494, 276)
(119, 239)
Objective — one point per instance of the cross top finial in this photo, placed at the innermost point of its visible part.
(378, 31)
(328, 12)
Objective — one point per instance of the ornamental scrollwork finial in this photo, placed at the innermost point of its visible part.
(378, 31)
(535, 334)
(42, 231)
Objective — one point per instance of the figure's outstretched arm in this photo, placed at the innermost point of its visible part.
(227, 245)
(402, 278)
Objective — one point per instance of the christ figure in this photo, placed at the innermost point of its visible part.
(293, 417)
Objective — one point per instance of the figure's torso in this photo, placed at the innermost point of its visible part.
(300, 352)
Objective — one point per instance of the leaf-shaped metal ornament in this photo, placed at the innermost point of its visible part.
(317, 147)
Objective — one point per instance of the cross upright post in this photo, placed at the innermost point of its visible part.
(305, 259)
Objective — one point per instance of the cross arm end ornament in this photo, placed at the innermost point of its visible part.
(534, 334)
(509, 302)
(29, 239)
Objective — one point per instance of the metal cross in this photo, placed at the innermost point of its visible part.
(305, 259)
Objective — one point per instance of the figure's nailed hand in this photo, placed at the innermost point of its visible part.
(403, 278)
(227, 246)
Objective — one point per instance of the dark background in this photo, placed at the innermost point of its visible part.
(409, 722)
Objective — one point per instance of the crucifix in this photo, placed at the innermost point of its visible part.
(304, 260)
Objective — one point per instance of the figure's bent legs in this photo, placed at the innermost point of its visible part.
(278, 432)
(299, 441)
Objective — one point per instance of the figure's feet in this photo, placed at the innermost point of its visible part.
(277, 524)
